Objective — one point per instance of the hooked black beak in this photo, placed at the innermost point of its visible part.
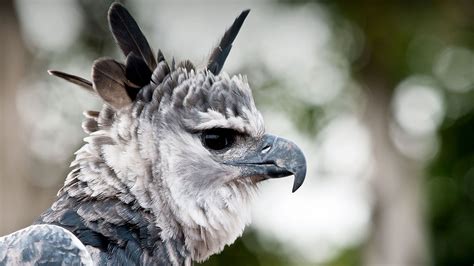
(275, 157)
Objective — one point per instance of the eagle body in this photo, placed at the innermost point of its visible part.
(115, 233)
(169, 167)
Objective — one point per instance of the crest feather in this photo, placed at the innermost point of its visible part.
(137, 70)
(81, 82)
(220, 53)
(110, 82)
(128, 35)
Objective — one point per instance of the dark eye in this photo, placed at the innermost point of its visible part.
(218, 138)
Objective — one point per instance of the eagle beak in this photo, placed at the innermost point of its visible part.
(275, 157)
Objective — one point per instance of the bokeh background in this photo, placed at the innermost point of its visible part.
(378, 95)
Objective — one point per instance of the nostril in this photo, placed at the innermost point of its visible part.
(266, 148)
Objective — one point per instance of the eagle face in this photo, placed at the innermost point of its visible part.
(203, 138)
(208, 123)
(208, 152)
(187, 145)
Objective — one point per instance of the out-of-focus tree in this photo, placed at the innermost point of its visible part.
(24, 194)
(16, 192)
(403, 39)
(397, 232)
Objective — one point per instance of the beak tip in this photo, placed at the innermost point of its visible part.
(294, 189)
(296, 186)
(299, 179)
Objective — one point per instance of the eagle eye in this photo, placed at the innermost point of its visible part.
(218, 138)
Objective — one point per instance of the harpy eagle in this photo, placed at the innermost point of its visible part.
(169, 167)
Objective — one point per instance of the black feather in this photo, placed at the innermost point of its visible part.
(128, 35)
(160, 57)
(110, 82)
(173, 64)
(220, 53)
(137, 70)
(84, 83)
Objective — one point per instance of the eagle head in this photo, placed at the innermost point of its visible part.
(187, 144)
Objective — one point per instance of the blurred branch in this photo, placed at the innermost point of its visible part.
(397, 232)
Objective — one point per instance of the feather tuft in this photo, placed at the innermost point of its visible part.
(109, 81)
(137, 70)
(220, 53)
(128, 35)
(160, 57)
(81, 82)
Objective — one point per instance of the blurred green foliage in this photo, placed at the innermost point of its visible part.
(451, 195)
(241, 253)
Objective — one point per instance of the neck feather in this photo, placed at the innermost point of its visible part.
(110, 166)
